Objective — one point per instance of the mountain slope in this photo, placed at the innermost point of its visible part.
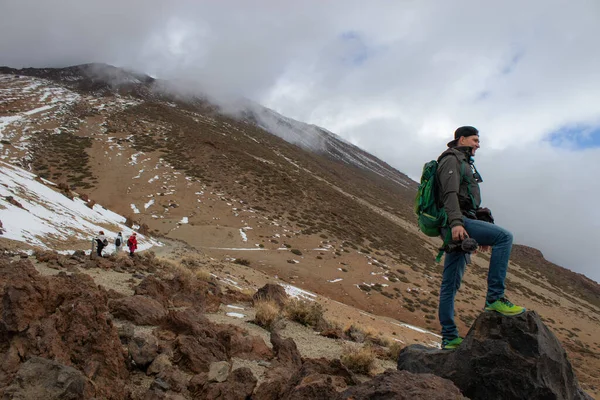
(230, 184)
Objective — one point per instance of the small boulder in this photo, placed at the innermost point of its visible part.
(402, 385)
(239, 386)
(160, 363)
(271, 292)
(218, 371)
(143, 349)
(140, 310)
(40, 378)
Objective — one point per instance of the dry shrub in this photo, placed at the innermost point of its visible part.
(267, 313)
(192, 261)
(356, 333)
(360, 360)
(203, 274)
(307, 313)
(394, 350)
(176, 268)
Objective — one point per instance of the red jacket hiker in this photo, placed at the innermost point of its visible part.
(132, 243)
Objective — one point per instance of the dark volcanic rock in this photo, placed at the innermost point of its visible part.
(502, 358)
(271, 292)
(182, 291)
(239, 386)
(402, 385)
(140, 310)
(64, 318)
(40, 378)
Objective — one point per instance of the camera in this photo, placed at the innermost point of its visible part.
(467, 245)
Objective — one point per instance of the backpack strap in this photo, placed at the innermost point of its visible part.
(463, 177)
(447, 238)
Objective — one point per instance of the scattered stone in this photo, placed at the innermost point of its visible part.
(126, 331)
(160, 384)
(143, 349)
(140, 310)
(160, 363)
(239, 386)
(402, 385)
(40, 378)
(218, 371)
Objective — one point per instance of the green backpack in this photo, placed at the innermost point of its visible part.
(430, 217)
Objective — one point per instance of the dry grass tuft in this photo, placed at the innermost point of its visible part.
(307, 313)
(267, 313)
(394, 350)
(203, 274)
(360, 360)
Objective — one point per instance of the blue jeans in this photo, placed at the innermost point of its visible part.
(485, 234)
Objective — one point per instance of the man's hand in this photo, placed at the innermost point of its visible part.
(459, 233)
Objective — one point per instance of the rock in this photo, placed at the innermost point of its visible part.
(239, 386)
(78, 255)
(238, 343)
(62, 317)
(286, 351)
(271, 292)
(160, 384)
(126, 331)
(176, 379)
(182, 291)
(402, 385)
(140, 310)
(40, 378)
(218, 371)
(143, 349)
(287, 362)
(197, 353)
(501, 358)
(197, 382)
(332, 333)
(160, 363)
(189, 322)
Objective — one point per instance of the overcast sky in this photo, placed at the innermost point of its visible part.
(394, 77)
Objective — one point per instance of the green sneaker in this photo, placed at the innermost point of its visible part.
(504, 307)
(451, 344)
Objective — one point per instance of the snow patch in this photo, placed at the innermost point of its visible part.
(298, 293)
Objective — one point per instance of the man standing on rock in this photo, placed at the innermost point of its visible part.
(459, 193)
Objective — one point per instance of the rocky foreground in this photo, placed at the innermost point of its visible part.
(64, 337)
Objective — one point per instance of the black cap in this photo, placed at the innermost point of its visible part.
(463, 131)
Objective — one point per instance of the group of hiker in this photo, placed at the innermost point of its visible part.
(101, 242)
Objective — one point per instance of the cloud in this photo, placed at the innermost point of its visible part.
(395, 78)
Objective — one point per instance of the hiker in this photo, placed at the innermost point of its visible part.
(458, 190)
(101, 243)
(132, 243)
(118, 243)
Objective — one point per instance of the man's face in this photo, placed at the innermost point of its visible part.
(471, 141)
